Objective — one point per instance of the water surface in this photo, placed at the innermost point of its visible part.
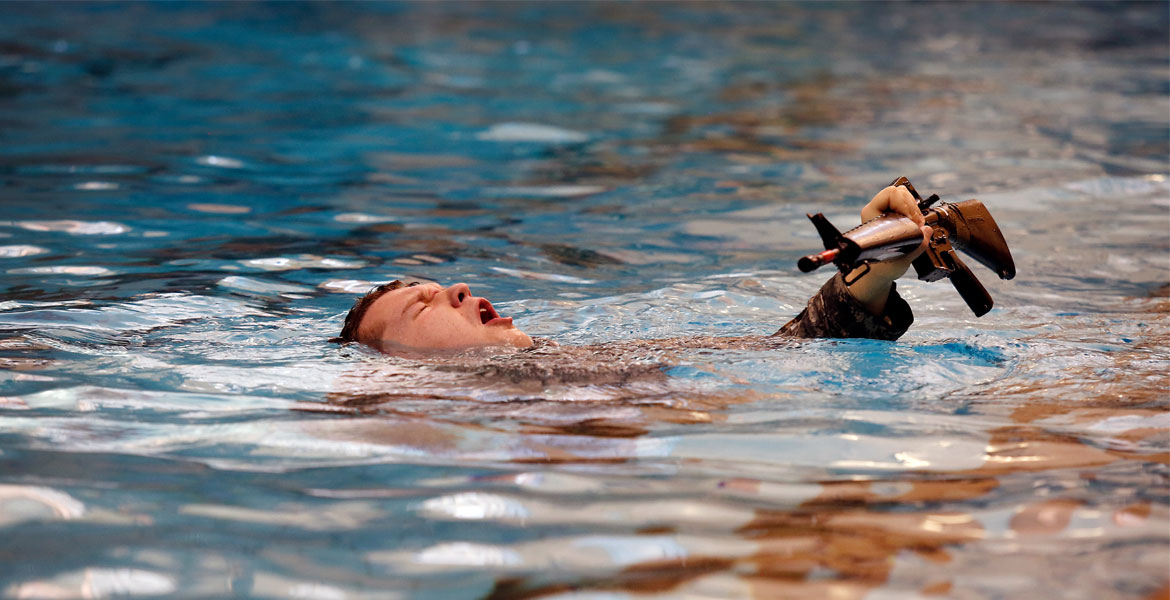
(193, 195)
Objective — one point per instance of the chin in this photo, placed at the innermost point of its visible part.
(518, 339)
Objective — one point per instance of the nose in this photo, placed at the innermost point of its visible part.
(457, 294)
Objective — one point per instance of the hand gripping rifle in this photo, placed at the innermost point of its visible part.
(965, 226)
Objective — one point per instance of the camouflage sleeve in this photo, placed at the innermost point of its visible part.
(835, 313)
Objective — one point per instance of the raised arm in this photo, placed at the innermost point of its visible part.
(873, 289)
(870, 305)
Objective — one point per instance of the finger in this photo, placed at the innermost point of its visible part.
(905, 205)
(916, 213)
(896, 200)
(880, 204)
(927, 232)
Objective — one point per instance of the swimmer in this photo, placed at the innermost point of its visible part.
(431, 317)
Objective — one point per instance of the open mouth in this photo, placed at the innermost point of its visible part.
(486, 313)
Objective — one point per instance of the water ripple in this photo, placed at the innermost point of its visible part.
(190, 214)
(74, 227)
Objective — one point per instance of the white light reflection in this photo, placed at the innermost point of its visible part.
(248, 284)
(469, 555)
(582, 552)
(910, 461)
(61, 270)
(95, 583)
(620, 551)
(219, 209)
(103, 583)
(939, 453)
(225, 162)
(19, 503)
(483, 506)
(316, 591)
(546, 191)
(74, 227)
(362, 218)
(474, 506)
(302, 261)
(531, 132)
(96, 186)
(347, 286)
(522, 274)
(1124, 423)
(20, 250)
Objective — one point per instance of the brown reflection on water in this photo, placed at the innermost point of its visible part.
(22, 363)
(1083, 415)
(847, 540)
(822, 99)
(859, 544)
(1022, 448)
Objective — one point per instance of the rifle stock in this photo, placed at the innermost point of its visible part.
(975, 232)
(965, 226)
(970, 289)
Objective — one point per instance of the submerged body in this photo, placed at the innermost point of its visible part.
(399, 317)
(831, 313)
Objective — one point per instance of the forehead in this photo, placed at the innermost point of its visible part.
(397, 297)
(389, 305)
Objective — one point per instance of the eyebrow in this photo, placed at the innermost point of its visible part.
(416, 297)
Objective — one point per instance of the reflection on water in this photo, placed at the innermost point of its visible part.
(191, 207)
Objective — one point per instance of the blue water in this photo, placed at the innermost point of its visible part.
(192, 196)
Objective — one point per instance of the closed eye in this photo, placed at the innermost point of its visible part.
(419, 303)
(426, 297)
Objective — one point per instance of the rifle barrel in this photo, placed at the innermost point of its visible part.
(814, 261)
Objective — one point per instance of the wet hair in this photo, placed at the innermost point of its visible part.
(354, 318)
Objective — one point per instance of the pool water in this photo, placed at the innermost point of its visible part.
(193, 195)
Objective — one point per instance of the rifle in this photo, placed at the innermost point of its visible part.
(965, 226)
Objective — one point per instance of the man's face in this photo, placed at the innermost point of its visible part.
(436, 318)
